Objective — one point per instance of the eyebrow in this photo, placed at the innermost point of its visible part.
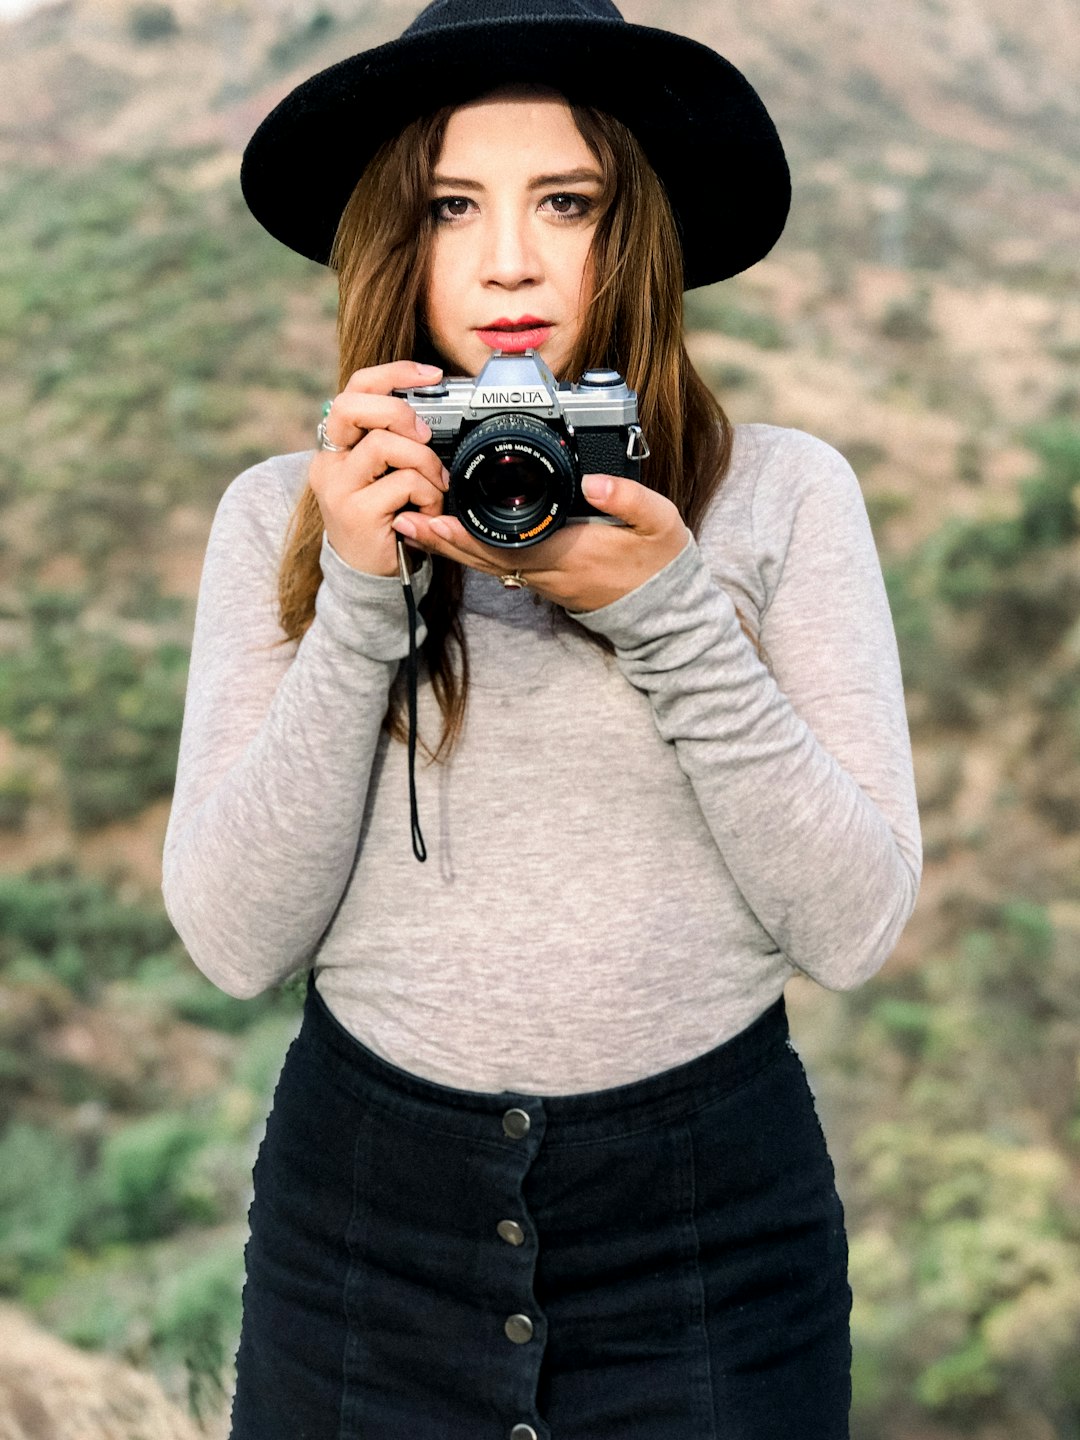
(538, 182)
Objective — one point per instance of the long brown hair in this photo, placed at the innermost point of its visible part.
(633, 323)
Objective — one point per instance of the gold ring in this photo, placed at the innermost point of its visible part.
(516, 581)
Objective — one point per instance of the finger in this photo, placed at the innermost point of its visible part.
(353, 414)
(628, 500)
(397, 375)
(345, 423)
(369, 461)
(382, 450)
(448, 537)
(405, 487)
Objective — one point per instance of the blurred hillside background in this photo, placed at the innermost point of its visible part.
(922, 313)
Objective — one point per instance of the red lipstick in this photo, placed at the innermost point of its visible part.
(528, 332)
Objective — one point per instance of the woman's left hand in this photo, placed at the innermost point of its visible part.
(581, 567)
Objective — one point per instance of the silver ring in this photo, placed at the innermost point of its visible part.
(324, 443)
(516, 581)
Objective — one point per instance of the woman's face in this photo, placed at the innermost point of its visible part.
(515, 206)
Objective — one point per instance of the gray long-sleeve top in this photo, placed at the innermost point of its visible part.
(629, 854)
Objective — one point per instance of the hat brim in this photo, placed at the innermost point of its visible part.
(700, 122)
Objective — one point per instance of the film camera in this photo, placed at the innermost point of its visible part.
(516, 443)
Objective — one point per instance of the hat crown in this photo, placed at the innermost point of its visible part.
(441, 13)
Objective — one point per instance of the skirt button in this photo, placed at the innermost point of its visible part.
(516, 1123)
(511, 1232)
(519, 1329)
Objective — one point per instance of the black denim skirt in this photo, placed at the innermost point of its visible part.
(664, 1260)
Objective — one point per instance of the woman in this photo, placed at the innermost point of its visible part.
(542, 1161)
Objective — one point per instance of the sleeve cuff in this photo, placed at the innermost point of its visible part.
(663, 602)
(367, 613)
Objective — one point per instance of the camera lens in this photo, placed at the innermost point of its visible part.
(513, 487)
(512, 480)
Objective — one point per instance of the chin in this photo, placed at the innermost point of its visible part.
(467, 361)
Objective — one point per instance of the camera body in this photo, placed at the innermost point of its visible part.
(516, 443)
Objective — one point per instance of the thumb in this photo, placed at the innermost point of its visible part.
(626, 500)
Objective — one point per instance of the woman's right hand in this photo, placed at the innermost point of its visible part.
(387, 466)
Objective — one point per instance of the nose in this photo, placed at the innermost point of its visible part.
(510, 256)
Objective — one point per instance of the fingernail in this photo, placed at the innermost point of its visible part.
(442, 528)
(405, 527)
(596, 487)
(445, 478)
(429, 369)
(423, 429)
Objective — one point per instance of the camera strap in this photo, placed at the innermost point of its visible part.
(412, 670)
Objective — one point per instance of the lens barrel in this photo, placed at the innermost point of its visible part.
(513, 480)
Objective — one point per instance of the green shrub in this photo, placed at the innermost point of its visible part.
(40, 1200)
(959, 1379)
(77, 927)
(120, 285)
(292, 48)
(909, 319)
(1057, 444)
(142, 1185)
(910, 612)
(980, 1254)
(265, 1044)
(151, 22)
(197, 1322)
(1049, 515)
(713, 309)
(965, 1246)
(864, 455)
(100, 1318)
(908, 1024)
(1009, 965)
(883, 506)
(928, 666)
(111, 714)
(968, 556)
(179, 989)
(970, 461)
(170, 1306)
(17, 790)
(728, 376)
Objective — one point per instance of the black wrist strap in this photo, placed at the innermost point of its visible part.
(412, 670)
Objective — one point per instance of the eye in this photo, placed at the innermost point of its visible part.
(582, 203)
(437, 207)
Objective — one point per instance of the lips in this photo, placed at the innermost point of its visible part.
(528, 332)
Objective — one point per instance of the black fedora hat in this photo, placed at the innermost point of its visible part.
(698, 119)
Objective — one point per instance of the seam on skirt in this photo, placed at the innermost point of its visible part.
(346, 1352)
(711, 1434)
(682, 1116)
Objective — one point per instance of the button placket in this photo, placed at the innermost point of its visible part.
(524, 1326)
